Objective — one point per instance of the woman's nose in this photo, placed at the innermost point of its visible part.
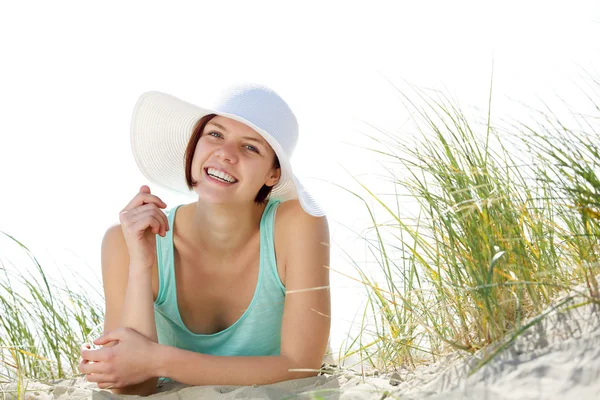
(227, 152)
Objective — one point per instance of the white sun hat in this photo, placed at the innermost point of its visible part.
(162, 125)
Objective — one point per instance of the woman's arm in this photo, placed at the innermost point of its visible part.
(306, 317)
(129, 298)
(197, 369)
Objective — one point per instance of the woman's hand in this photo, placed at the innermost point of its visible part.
(127, 363)
(140, 221)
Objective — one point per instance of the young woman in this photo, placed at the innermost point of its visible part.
(232, 289)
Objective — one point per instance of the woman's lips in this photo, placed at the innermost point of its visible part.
(215, 180)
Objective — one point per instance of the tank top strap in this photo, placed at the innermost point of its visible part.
(267, 242)
(164, 258)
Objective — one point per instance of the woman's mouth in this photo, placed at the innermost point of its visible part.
(221, 177)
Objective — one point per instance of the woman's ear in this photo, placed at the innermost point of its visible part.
(274, 177)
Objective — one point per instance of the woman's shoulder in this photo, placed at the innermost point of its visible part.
(301, 240)
(291, 217)
(293, 209)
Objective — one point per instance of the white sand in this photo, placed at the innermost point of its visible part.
(558, 358)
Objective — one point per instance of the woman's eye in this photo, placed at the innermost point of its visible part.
(218, 135)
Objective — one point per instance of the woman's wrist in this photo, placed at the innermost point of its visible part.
(139, 271)
(158, 367)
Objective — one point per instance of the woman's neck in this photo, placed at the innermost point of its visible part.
(220, 231)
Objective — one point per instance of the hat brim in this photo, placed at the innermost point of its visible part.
(161, 127)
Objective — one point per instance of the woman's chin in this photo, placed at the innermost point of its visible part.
(215, 197)
(208, 192)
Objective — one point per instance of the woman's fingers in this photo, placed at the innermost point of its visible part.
(144, 223)
(102, 380)
(106, 385)
(148, 215)
(85, 346)
(131, 215)
(144, 197)
(98, 377)
(145, 212)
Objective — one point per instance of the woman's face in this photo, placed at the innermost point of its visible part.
(232, 162)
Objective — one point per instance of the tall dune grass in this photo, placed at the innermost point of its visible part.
(43, 322)
(498, 234)
(572, 158)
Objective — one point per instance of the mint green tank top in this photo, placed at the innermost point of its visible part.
(256, 333)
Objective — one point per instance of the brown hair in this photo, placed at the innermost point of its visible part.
(263, 193)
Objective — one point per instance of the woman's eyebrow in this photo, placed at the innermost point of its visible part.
(217, 125)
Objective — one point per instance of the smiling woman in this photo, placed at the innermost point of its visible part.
(234, 284)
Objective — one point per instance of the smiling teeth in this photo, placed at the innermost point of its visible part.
(222, 175)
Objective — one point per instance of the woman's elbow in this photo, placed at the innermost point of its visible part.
(299, 369)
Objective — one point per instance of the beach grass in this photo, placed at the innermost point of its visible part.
(503, 221)
(43, 321)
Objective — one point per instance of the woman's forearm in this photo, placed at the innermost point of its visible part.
(193, 368)
(138, 306)
(138, 313)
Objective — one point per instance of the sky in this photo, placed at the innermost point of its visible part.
(70, 73)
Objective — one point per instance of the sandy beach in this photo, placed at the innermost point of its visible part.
(557, 358)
